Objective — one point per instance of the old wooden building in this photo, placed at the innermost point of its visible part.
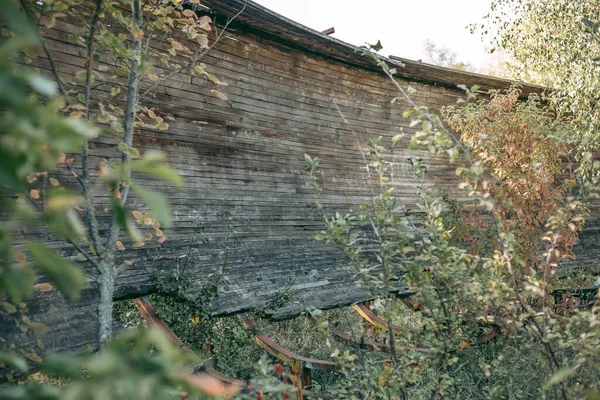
(246, 216)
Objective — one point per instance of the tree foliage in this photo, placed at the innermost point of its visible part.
(444, 57)
(510, 157)
(524, 146)
(550, 43)
(44, 123)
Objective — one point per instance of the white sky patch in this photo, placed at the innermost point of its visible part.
(401, 25)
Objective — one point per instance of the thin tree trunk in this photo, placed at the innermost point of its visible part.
(90, 213)
(109, 269)
(105, 307)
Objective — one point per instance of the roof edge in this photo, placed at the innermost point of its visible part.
(275, 26)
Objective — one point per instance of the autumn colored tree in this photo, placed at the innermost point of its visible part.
(523, 147)
(550, 43)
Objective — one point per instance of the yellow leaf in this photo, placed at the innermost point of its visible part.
(9, 308)
(128, 262)
(138, 216)
(219, 94)
(153, 77)
(20, 257)
(76, 114)
(213, 78)
(54, 182)
(204, 22)
(162, 239)
(49, 22)
(147, 221)
(44, 287)
(63, 201)
(120, 245)
(148, 236)
(30, 354)
(34, 194)
(151, 113)
(138, 244)
(137, 32)
(176, 45)
(189, 13)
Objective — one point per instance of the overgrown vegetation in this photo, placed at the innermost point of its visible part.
(485, 319)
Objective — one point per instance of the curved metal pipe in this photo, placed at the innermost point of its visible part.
(209, 380)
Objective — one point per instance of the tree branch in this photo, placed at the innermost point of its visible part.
(554, 364)
(427, 115)
(83, 253)
(84, 179)
(128, 121)
(195, 59)
(71, 242)
(61, 88)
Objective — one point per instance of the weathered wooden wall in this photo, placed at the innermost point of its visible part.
(245, 198)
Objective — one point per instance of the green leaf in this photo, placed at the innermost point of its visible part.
(158, 204)
(377, 46)
(397, 138)
(131, 151)
(408, 249)
(17, 282)
(31, 355)
(560, 376)
(60, 201)
(9, 308)
(42, 85)
(80, 75)
(66, 276)
(124, 222)
(151, 165)
(39, 327)
(14, 360)
(64, 365)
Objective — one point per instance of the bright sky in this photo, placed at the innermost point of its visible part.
(401, 25)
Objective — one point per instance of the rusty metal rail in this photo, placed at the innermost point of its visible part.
(350, 341)
(375, 320)
(209, 380)
(300, 366)
(366, 344)
(380, 323)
